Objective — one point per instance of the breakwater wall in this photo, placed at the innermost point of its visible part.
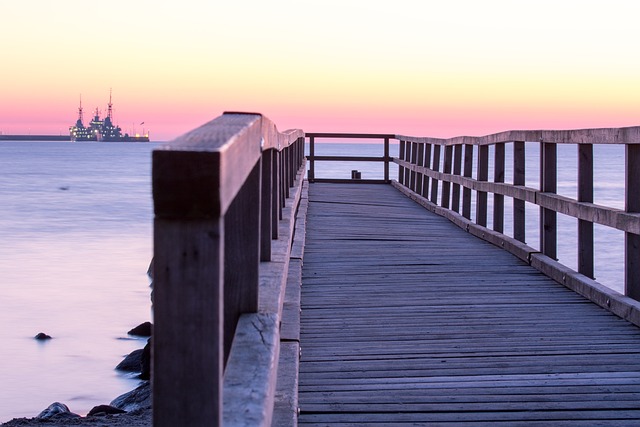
(35, 138)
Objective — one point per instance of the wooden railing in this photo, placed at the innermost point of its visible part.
(438, 174)
(225, 197)
(419, 175)
(385, 159)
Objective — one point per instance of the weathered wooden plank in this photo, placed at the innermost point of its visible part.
(285, 411)
(250, 376)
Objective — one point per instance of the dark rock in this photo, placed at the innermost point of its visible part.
(142, 330)
(57, 410)
(42, 336)
(145, 362)
(104, 410)
(138, 398)
(132, 363)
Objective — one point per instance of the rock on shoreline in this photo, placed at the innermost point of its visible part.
(129, 409)
(136, 403)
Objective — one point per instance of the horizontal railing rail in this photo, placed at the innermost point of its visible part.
(312, 158)
(221, 195)
(449, 191)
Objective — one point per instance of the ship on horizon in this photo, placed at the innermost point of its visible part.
(101, 129)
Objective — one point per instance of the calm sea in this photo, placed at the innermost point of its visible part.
(76, 233)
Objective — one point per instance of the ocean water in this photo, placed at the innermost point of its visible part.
(75, 233)
(76, 241)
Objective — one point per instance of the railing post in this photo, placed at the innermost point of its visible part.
(241, 255)
(276, 204)
(282, 180)
(466, 191)
(206, 261)
(518, 179)
(483, 175)
(420, 175)
(386, 160)
(548, 184)
(585, 194)
(312, 167)
(286, 171)
(632, 204)
(185, 288)
(413, 160)
(293, 157)
(427, 165)
(407, 171)
(435, 166)
(498, 176)
(266, 220)
(401, 150)
(457, 170)
(446, 185)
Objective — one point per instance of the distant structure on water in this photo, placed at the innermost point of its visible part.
(102, 130)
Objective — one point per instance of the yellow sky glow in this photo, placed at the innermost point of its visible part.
(408, 66)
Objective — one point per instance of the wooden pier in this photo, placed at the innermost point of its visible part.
(334, 302)
(409, 320)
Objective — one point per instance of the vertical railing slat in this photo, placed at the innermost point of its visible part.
(401, 150)
(457, 170)
(548, 184)
(483, 175)
(266, 221)
(467, 171)
(435, 166)
(632, 205)
(427, 165)
(386, 160)
(413, 160)
(519, 180)
(420, 175)
(498, 176)
(585, 194)
(446, 185)
(312, 164)
(241, 255)
(407, 158)
(276, 207)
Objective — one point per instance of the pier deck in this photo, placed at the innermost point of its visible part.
(408, 320)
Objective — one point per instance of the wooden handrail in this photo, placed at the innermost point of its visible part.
(450, 190)
(385, 159)
(419, 162)
(219, 194)
(624, 135)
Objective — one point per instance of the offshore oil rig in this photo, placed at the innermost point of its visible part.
(102, 130)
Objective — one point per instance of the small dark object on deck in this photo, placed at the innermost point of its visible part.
(104, 410)
(142, 330)
(356, 174)
(42, 336)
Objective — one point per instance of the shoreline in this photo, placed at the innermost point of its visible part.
(132, 408)
(137, 418)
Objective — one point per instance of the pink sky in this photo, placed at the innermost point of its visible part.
(424, 68)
